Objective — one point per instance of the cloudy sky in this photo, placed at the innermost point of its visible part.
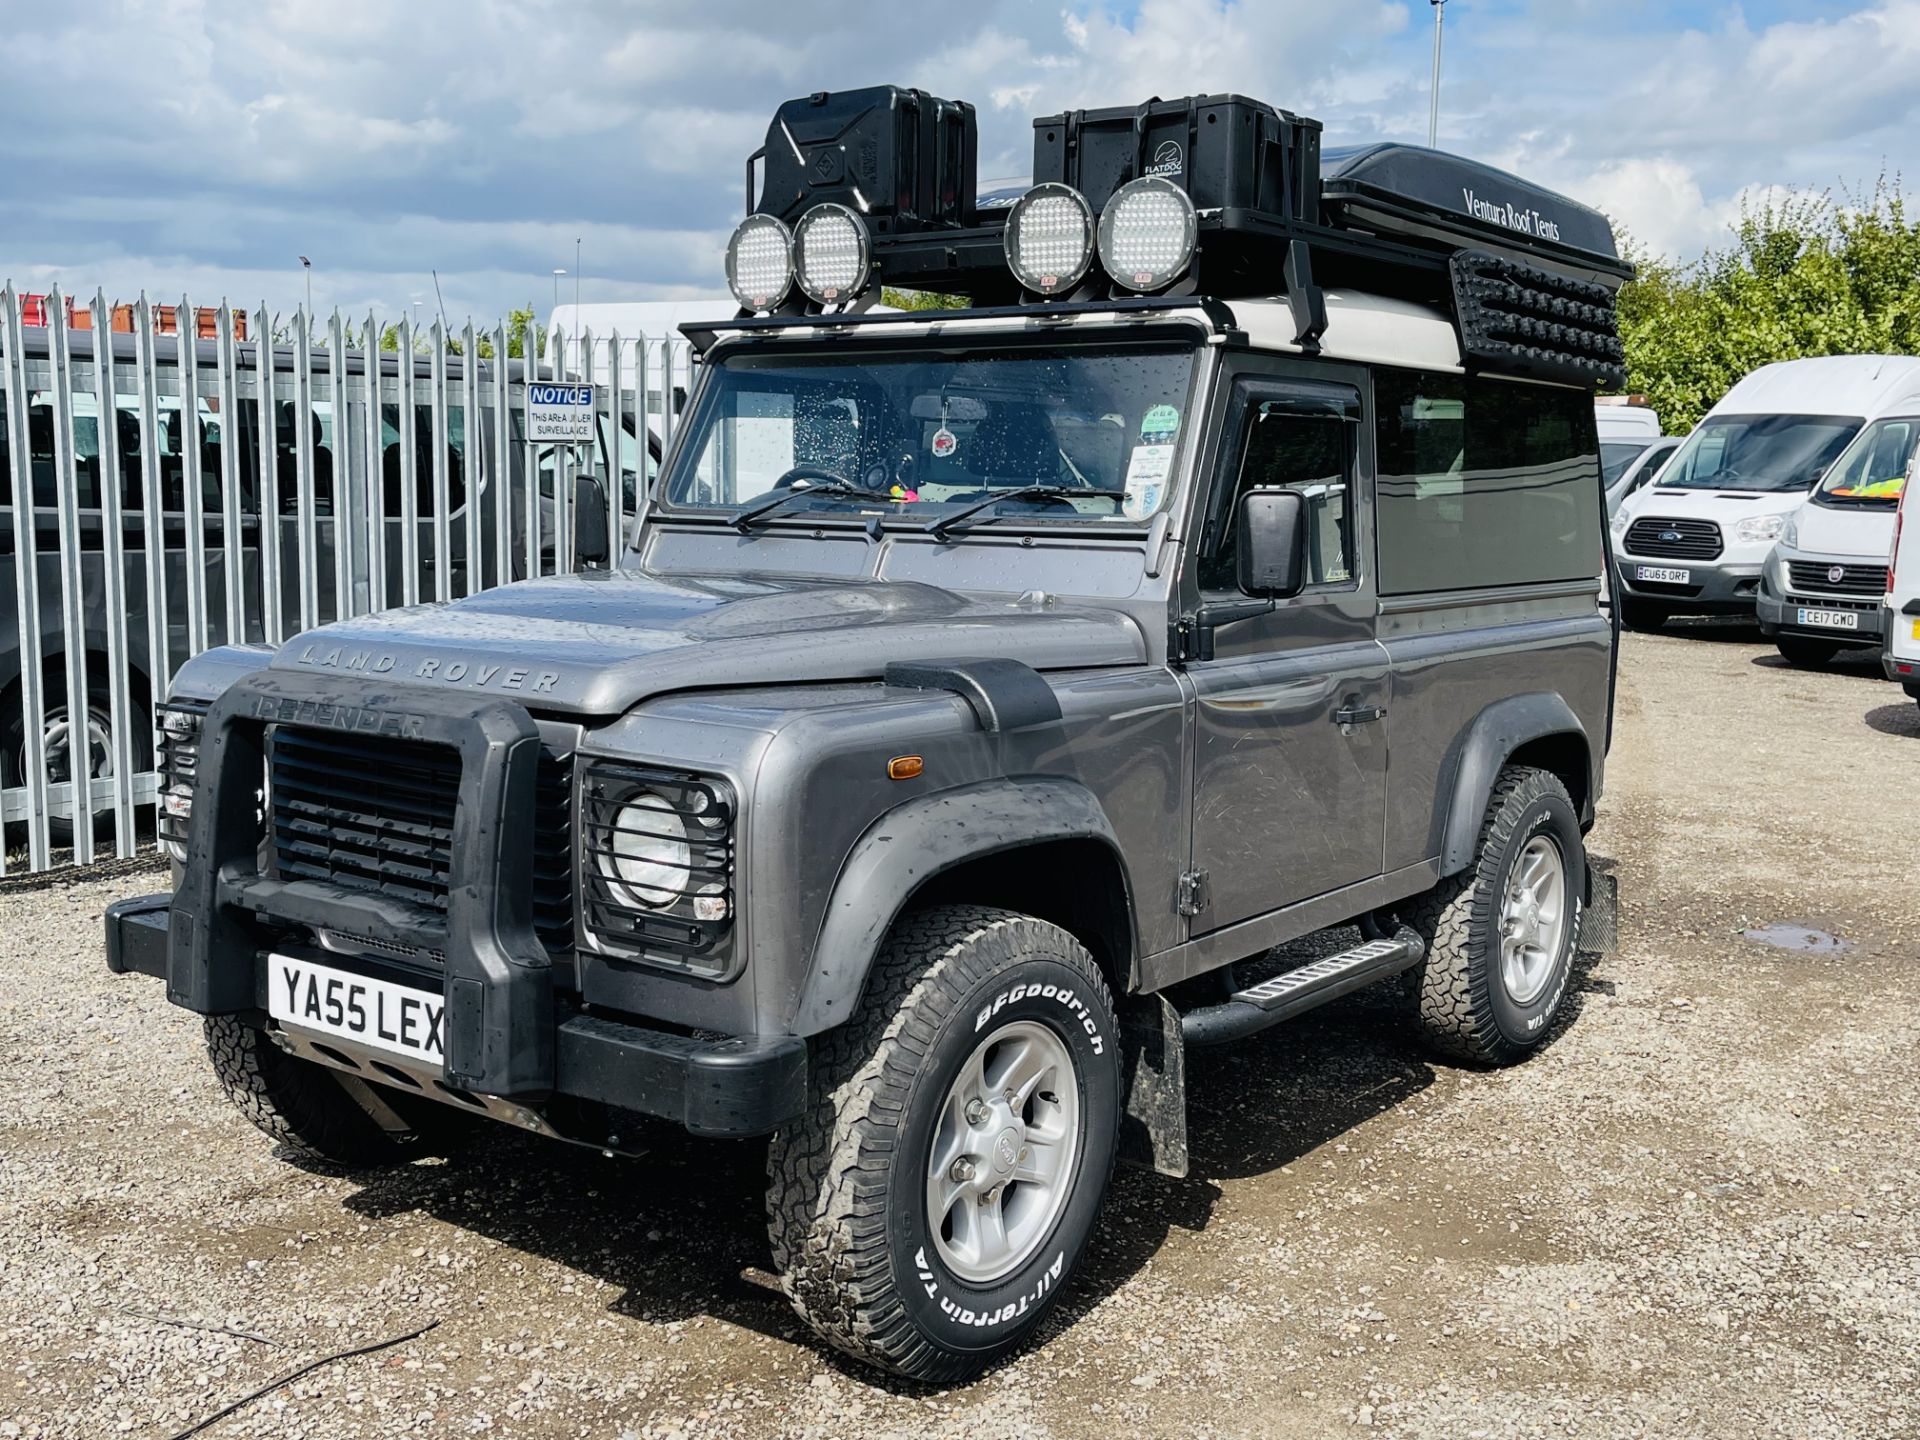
(201, 145)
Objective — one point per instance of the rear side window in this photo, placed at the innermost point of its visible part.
(1484, 482)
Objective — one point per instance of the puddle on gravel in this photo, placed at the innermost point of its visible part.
(1798, 937)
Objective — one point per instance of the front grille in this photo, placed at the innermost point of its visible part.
(376, 814)
(1691, 539)
(1837, 579)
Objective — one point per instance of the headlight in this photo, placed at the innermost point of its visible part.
(657, 859)
(1756, 528)
(647, 857)
(832, 254)
(1790, 533)
(1147, 234)
(1049, 238)
(760, 262)
(178, 762)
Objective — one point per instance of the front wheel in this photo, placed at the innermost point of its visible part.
(927, 1210)
(1501, 937)
(1805, 654)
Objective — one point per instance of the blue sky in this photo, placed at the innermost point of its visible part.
(202, 144)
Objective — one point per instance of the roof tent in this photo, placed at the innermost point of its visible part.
(1528, 275)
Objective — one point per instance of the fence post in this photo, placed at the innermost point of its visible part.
(346, 496)
(186, 350)
(376, 472)
(274, 627)
(73, 615)
(233, 539)
(442, 480)
(26, 547)
(121, 719)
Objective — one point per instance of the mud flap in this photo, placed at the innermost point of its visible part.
(1153, 1130)
(1600, 919)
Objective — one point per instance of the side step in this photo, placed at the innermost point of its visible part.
(1294, 992)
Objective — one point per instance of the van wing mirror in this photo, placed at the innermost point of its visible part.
(1270, 544)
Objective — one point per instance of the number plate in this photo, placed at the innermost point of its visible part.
(1832, 619)
(396, 1018)
(1661, 575)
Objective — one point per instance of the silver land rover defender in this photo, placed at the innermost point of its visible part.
(983, 693)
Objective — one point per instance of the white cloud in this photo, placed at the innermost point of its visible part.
(205, 143)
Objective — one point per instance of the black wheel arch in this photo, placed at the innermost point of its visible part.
(1538, 729)
(1041, 846)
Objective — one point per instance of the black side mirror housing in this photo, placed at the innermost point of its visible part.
(590, 546)
(1270, 544)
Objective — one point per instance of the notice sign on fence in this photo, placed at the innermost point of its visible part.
(562, 413)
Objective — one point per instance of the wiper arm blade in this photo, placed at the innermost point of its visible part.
(940, 529)
(743, 522)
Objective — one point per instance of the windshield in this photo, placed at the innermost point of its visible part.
(1617, 455)
(1759, 452)
(923, 433)
(1873, 471)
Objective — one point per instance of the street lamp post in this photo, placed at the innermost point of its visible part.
(306, 265)
(1433, 112)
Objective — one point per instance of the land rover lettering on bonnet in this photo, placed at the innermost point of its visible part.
(986, 697)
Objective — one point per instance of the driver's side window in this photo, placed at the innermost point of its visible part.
(1283, 447)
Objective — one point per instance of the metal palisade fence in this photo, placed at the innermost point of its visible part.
(173, 479)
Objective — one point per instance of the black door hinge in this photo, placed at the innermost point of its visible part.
(1193, 896)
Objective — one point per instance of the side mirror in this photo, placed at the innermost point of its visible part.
(589, 522)
(1270, 546)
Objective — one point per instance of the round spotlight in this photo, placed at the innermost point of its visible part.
(760, 262)
(1049, 238)
(832, 253)
(649, 857)
(1147, 234)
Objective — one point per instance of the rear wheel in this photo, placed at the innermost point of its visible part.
(1501, 937)
(313, 1110)
(1642, 615)
(930, 1206)
(1805, 653)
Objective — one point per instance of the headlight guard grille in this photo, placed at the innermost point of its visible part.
(687, 925)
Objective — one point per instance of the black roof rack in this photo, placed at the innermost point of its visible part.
(1528, 275)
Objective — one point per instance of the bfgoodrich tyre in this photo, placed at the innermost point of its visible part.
(1501, 937)
(935, 1199)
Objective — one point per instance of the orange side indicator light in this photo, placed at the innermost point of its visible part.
(905, 767)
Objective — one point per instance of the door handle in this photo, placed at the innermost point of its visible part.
(1359, 714)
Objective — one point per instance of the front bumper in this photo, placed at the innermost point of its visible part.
(1714, 587)
(733, 1086)
(1779, 615)
(511, 1031)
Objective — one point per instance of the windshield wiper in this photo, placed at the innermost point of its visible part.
(838, 489)
(940, 529)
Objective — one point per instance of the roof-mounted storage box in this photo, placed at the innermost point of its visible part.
(1226, 151)
(903, 159)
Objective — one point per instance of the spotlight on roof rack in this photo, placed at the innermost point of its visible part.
(1049, 238)
(1147, 234)
(833, 253)
(760, 262)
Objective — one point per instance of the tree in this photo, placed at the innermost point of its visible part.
(1803, 275)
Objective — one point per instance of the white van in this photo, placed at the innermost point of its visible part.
(1825, 584)
(1697, 539)
(1900, 645)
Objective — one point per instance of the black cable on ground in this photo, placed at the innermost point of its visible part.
(293, 1375)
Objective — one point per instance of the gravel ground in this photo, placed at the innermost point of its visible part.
(1691, 1215)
